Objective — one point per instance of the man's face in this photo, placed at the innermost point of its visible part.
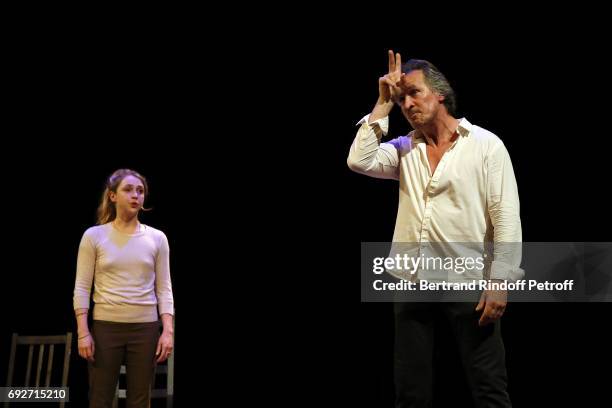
(418, 103)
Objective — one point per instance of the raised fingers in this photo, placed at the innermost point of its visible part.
(398, 62)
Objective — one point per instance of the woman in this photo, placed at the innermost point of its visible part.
(128, 263)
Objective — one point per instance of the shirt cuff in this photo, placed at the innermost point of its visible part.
(383, 123)
(503, 271)
(81, 302)
(166, 308)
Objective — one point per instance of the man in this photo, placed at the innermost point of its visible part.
(457, 185)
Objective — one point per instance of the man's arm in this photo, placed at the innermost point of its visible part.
(367, 155)
(504, 210)
(371, 157)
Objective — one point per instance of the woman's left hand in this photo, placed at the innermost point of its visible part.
(165, 345)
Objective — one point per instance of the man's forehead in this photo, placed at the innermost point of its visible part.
(413, 78)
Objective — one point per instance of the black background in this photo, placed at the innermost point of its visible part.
(244, 145)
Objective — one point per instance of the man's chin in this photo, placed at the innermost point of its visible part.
(416, 124)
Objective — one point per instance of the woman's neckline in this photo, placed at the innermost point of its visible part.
(140, 229)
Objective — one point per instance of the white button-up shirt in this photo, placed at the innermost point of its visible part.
(471, 198)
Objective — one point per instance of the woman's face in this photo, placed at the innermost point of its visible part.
(130, 196)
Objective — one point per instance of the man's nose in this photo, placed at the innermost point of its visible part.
(407, 103)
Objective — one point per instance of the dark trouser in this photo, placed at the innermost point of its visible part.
(115, 343)
(481, 348)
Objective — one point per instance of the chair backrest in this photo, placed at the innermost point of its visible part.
(42, 342)
(166, 391)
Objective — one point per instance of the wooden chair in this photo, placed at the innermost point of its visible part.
(42, 342)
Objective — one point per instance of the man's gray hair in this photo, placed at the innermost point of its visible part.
(435, 80)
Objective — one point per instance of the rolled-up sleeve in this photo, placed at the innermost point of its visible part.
(504, 211)
(370, 157)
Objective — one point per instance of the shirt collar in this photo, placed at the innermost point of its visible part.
(464, 128)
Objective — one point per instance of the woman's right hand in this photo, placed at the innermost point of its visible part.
(87, 347)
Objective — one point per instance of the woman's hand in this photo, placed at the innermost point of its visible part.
(165, 345)
(87, 347)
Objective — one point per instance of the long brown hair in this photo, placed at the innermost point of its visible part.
(107, 211)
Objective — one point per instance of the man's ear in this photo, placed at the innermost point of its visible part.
(441, 98)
